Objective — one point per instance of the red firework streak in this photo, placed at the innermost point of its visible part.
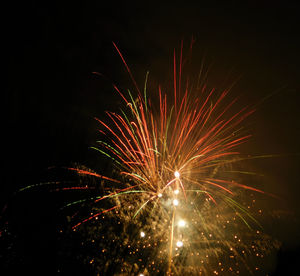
(188, 136)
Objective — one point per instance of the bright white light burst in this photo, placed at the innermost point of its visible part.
(177, 174)
(175, 202)
(181, 223)
(179, 244)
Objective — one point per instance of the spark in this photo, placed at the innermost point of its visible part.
(179, 243)
(181, 223)
(175, 202)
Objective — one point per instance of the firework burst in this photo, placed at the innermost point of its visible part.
(177, 201)
(177, 206)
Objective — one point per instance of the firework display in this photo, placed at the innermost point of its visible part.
(179, 196)
(177, 202)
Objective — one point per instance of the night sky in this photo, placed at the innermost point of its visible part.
(52, 97)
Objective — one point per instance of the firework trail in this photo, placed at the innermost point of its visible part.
(177, 207)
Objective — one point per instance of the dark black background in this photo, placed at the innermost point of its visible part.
(51, 95)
